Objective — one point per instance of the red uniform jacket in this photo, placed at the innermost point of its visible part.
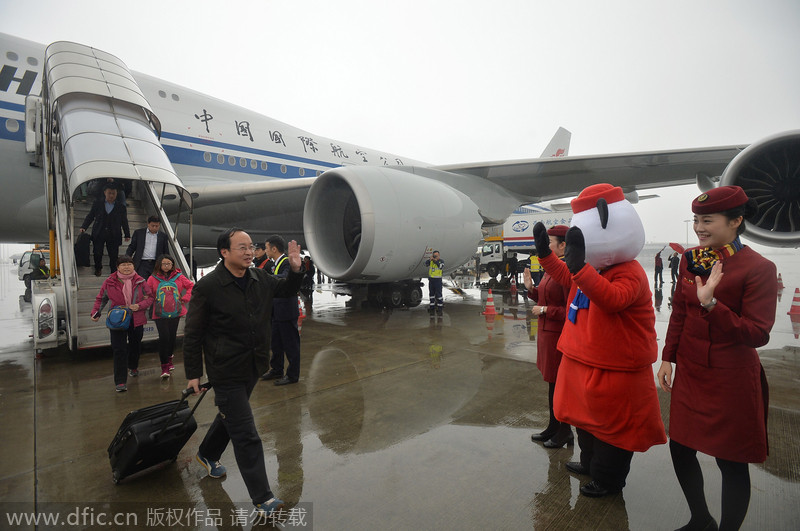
(553, 295)
(718, 404)
(605, 383)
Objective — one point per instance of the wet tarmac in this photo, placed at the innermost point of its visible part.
(399, 421)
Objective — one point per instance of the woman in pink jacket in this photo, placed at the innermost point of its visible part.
(127, 289)
(171, 291)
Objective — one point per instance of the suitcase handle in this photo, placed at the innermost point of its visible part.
(184, 395)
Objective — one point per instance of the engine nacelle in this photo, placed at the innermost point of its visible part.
(769, 172)
(375, 224)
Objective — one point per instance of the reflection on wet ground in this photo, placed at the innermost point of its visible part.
(399, 421)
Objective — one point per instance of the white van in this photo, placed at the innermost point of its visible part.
(24, 267)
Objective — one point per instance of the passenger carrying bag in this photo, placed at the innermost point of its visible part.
(167, 302)
(153, 435)
(119, 318)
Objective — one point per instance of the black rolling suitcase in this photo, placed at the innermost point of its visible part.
(153, 435)
(82, 250)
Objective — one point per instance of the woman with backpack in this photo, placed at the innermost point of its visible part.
(171, 291)
(130, 297)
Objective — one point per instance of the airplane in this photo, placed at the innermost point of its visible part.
(366, 216)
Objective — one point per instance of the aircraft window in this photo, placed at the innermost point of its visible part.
(243, 162)
(33, 61)
(263, 165)
(12, 56)
(253, 164)
(283, 168)
(12, 125)
(162, 93)
(220, 158)
(302, 172)
(207, 156)
(232, 160)
(176, 97)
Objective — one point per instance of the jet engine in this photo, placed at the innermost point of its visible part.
(769, 172)
(380, 224)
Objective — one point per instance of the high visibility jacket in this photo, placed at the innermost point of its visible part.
(435, 268)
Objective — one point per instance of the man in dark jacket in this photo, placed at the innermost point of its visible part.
(146, 245)
(228, 325)
(110, 221)
(285, 311)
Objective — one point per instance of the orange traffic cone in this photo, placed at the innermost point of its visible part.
(513, 287)
(490, 309)
(780, 282)
(795, 309)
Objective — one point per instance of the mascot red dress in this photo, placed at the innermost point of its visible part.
(605, 385)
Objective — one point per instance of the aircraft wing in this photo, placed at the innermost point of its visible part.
(226, 193)
(557, 177)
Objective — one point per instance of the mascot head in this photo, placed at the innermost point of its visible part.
(610, 225)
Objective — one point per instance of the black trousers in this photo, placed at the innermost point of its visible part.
(145, 268)
(167, 332)
(106, 239)
(235, 423)
(127, 346)
(286, 342)
(607, 464)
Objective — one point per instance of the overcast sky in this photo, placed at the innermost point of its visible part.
(462, 80)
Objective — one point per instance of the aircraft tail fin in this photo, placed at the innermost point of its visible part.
(559, 145)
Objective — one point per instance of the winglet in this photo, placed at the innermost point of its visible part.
(559, 145)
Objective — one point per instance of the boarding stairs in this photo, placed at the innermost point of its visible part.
(93, 122)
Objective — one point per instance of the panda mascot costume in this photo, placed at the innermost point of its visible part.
(605, 385)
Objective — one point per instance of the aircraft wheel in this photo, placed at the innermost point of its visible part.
(414, 296)
(393, 296)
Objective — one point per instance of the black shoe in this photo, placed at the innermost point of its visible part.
(541, 437)
(577, 468)
(545, 435)
(271, 375)
(593, 489)
(97, 272)
(285, 381)
(555, 442)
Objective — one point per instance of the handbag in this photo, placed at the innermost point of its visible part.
(119, 318)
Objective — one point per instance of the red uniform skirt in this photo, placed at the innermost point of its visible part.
(720, 412)
(548, 357)
(618, 407)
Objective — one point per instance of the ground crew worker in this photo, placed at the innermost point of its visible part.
(435, 267)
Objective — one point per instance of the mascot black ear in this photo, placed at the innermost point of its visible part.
(602, 209)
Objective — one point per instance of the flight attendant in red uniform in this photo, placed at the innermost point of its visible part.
(551, 309)
(723, 309)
